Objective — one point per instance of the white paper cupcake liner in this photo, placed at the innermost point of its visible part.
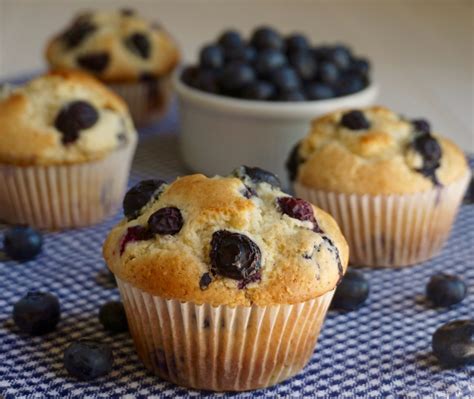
(147, 101)
(64, 196)
(392, 230)
(222, 348)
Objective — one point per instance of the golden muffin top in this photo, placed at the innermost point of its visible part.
(374, 151)
(62, 118)
(235, 240)
(116, 46)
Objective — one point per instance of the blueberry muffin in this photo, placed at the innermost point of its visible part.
(133, 56)
(392, 184)
(204, 263)
(66, 144)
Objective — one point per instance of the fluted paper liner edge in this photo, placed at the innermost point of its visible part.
(146, 101)
(222, 348)
(65, 196)
(392, 230)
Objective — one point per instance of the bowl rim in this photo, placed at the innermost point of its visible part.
(306, 109)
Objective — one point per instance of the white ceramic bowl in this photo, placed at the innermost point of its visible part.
(220, 133)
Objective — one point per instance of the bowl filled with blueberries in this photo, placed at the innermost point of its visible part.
(249, 100)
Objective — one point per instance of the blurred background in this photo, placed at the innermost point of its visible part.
(422, 51)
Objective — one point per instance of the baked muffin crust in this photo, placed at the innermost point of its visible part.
(30, 122)
(379, 158)
(116, 46)
(292, 261)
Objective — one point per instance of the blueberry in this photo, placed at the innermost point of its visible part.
(37, 313)
(255, 277)
(293, 162)
(139, 44)
(234, 255)
(235, 77)
(78, 32)
(340, 56)
(211, 56)
(421, 125)
(297, 208)
(207, 80)
(304, 65)
(248, 192)
(166, 221)
(189, 75)
(250, 54)
(230, 38)
(260, 90)
(268, 60)
(245, 54)
(430, 150)
(22, 243)
(74, 117)
(296, 42)
(355, 120)
(205, 281)
(352, 292)
(139, 195)
(445, 289)
(286, 79)
(94, 62)
(328, 72)
(257, 175)
(134, 233)
(292, 95)
(360, 66)
(87, 360)
(350, 84)
(321, 53)
(453, 343)
(319, 91)
(329, 244)
(266, 37)
(112, 316)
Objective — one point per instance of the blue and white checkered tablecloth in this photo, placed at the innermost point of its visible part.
(381, 350)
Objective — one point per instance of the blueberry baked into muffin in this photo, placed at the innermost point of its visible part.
(135, 57)
(66, 144)
(204, 264)
(392, 184)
